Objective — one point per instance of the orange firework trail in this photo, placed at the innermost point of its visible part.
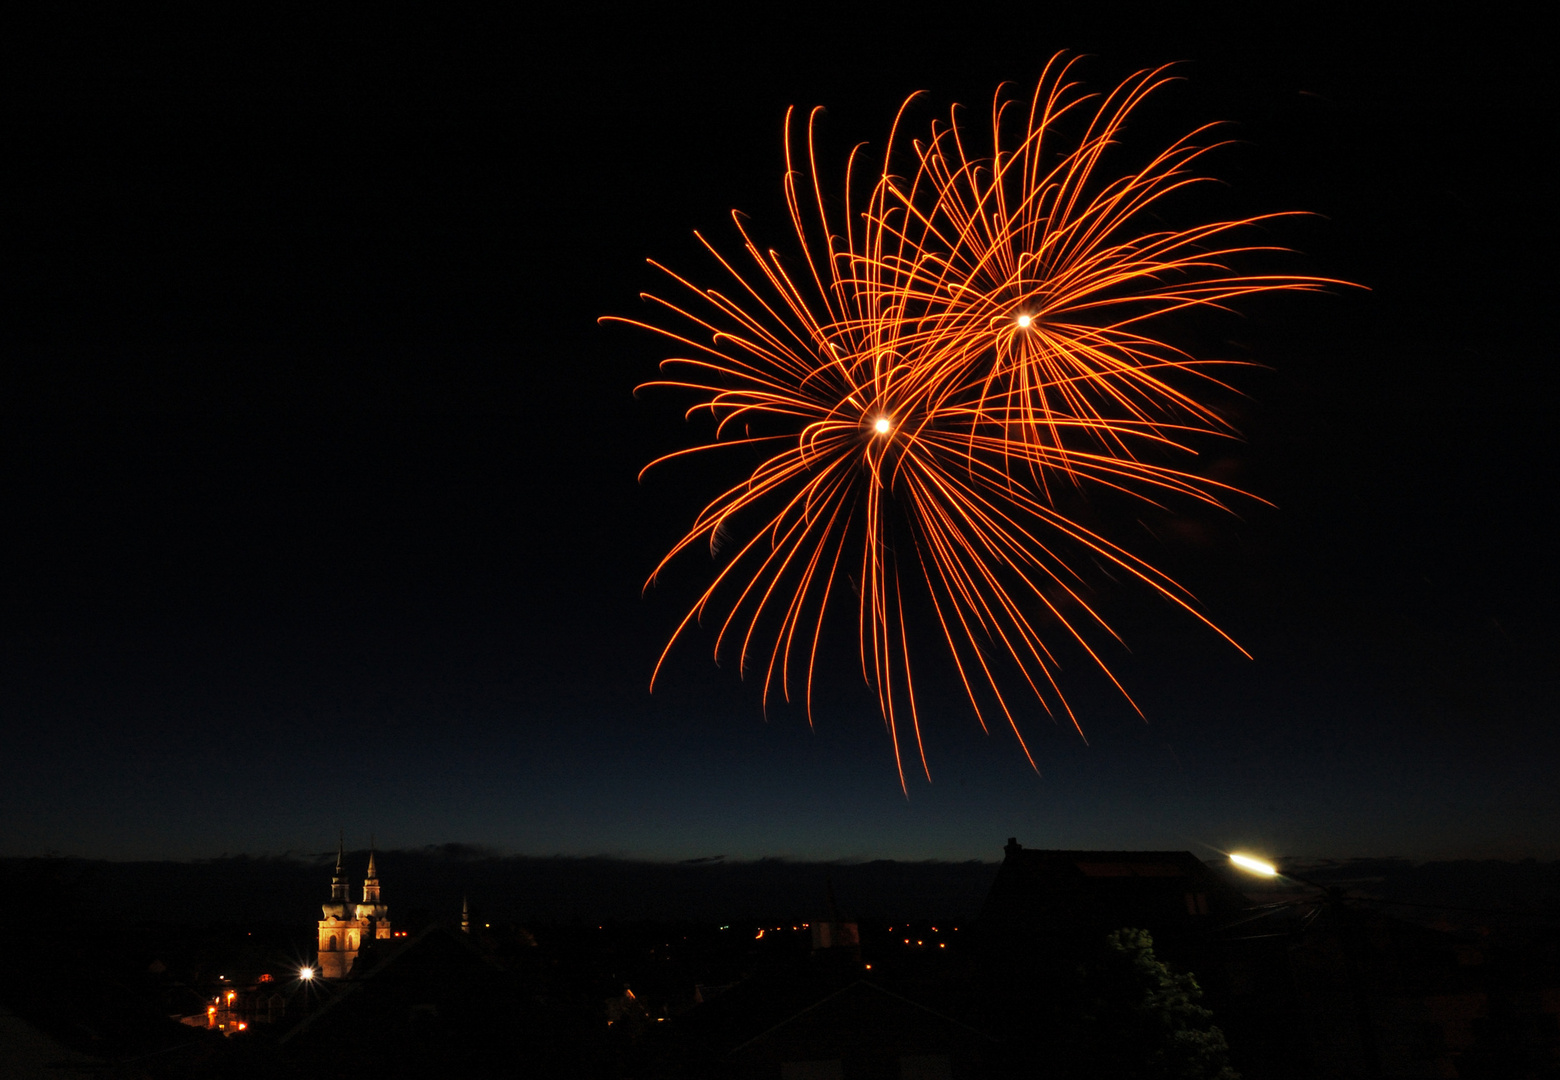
(945, 356)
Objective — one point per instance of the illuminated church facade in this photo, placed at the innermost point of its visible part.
(346, 926)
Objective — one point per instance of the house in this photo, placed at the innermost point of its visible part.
(1057, 900)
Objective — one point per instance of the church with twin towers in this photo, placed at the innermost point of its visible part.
(346, 926)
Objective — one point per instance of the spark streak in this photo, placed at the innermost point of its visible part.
(948, 357)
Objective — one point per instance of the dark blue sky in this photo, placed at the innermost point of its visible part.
(318, 475)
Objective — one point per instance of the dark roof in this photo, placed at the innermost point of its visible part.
(861, 997)
(427, 966)
(1053, 893)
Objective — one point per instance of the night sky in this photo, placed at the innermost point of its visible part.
(318, 475)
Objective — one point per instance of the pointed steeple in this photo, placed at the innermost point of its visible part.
(338, 882)
(465, 916)
(371, 882)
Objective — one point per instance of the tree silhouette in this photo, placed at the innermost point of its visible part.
(1138, 1018)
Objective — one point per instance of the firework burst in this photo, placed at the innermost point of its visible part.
(946, 355)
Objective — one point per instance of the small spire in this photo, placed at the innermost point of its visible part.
(371, 881)
(465, 916)
(338, 881)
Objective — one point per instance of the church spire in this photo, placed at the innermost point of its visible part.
(371, 882)
(338, 882)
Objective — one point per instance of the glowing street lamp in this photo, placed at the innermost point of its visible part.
(1262, 868)
(305, 973)
(1255, 866)
(1333, 897)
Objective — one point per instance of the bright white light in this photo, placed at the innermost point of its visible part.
(882, 425)
(306, 973)
(1023, 322)
(1255, 866)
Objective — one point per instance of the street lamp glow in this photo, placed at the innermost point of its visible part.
(306, 973)
(1255, 866)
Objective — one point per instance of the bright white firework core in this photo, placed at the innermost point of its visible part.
(882, 425)
(1023, 322)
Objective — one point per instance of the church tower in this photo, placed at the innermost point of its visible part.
(345, 926)
(374, 915)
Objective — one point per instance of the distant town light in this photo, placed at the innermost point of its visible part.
(1255, 866)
